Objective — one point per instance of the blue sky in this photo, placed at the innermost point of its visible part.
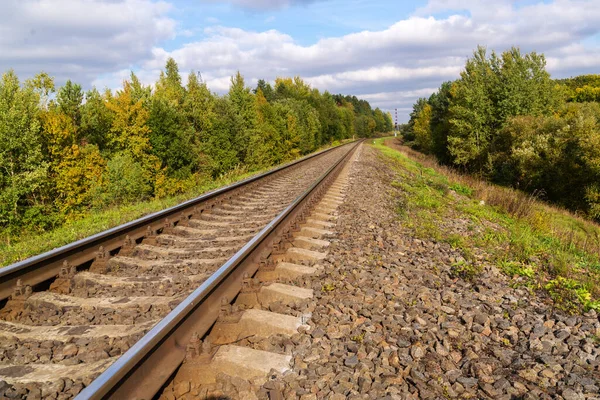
(307, 23)
(388, 52)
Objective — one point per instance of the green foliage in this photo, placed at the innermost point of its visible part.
(61, 157)
(465, 270)
(507, 121)
(69, 98)
(570, 296)
(22, 165)
(96, 119)
(422, 129)
(462, 189)
(514, 268)
(78, 173)
(123, 181)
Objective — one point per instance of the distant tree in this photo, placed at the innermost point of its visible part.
(78, 174)
(219, 146)
(139, 91)
(266, 89)
(440, 103)
(379, 117)
(422, 129)
(130, 133)
(243, 106)
(409, 133)
(171, 133)
(43, 85)
(96, 119)
(69, 99)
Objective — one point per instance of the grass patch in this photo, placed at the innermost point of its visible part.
(544, 246)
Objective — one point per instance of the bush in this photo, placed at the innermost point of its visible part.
(124, 181)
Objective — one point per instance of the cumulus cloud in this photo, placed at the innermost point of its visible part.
(80, 39)
(393, 66)
(263, 5)
(390, 67)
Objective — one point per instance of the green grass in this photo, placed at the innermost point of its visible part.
(28, 244)
(531, 248)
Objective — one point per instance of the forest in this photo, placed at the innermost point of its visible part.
(65, 152)
(506, 120)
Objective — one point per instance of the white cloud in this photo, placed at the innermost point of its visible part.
(101, 40)
(262, 5)
(80, 39)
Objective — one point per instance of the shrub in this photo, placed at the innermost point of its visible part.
(124, 181)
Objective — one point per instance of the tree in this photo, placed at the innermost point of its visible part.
(22, 166)
(266, 145)
(96, 119)
(78, 174)
(243, 106)
(379, 117)
(440, 103)
(129, 131)
(69, 99)
(472, 118)
(219, 147)
(422, 129)
(43, 85)
(266, 90)
(409, 134)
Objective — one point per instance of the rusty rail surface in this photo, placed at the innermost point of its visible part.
(147, 365)
(46, 266)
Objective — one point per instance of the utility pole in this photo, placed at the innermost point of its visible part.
(395, 122)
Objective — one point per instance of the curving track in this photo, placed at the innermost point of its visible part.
(59, 334)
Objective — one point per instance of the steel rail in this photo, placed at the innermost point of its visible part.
(40, 268)
(148, 364)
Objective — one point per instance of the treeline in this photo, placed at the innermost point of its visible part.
(506, 120)
(64, 152)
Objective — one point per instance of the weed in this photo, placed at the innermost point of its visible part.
(328, 287)
(570, 296)
(358, 338)
(455, 240)
(462, 189)
(465, 270)
(440, 186)
(514, 268)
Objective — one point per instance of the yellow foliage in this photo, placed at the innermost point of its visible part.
(422, 129)
(165, 186)
(129, 130)
(77, 174)
(60, 133)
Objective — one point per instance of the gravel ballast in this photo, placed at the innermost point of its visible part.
(391, 320)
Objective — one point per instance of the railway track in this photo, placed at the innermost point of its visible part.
(117, 313)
